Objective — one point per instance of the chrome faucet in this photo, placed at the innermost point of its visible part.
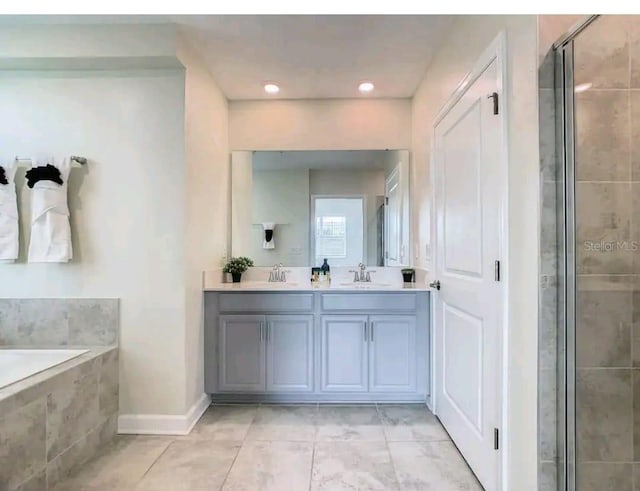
(362, 276)
(274, 274)
(277, 274)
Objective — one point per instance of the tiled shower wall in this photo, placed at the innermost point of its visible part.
(607, 116)
(548, 284)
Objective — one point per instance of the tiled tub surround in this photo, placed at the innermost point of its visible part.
(59, 321)
(54, 421)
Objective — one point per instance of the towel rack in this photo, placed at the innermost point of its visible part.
(275, 223)
(73, 158)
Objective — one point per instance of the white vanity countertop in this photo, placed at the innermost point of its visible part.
(298, 279)
(260, 286)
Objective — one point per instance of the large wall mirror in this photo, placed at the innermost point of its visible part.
(299, 207)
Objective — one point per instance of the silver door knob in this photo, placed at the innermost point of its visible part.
(435, 284)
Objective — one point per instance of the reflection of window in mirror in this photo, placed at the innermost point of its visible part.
(331, 237)
(339, 230)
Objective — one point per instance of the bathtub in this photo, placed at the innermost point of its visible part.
(18, 364)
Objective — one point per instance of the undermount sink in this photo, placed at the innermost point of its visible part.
(269, 284)
(363, 285)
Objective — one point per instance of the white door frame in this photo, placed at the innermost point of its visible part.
(401, 226)
(497, 51)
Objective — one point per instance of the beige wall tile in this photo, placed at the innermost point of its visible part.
(603, 223)
(601, 53)
(602, 135)
(604, 415)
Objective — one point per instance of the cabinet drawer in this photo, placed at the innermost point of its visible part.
(369, 302)
(266, 302)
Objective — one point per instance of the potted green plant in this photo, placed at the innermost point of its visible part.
(236, 266)
(408, 275)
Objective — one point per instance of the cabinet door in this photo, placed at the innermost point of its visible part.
(241, 351)
(392, 353)
(289, 341)
(344, 353)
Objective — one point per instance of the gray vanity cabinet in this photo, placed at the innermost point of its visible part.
(242, 353)
(392, 353)
(272, 353)
(289, 345)
(361, 353)
(318, 346)
(343, 353)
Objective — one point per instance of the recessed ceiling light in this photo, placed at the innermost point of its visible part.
(271, 88)
(365, 87)
(582, 87)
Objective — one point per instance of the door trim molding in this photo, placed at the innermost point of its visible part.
(495, 51)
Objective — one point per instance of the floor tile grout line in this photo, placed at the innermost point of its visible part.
(313, 459)
(235, 458)
(155, 461)
(393, 465)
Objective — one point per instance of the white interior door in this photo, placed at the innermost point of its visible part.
(393, 224)
(467, 144)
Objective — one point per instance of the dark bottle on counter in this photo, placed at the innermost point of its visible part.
(325, 267)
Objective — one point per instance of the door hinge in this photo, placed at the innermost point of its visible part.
(496, 439)
(386, 200)
(496, 270)
(494, 96)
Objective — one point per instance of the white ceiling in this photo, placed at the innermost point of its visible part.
(316, 56)
(308, 56)
(319, 159)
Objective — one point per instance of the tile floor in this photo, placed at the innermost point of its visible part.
(288, 448)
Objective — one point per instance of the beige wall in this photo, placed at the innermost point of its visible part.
(280, 196)
(332, 124)
(127, 211)
(207, 191)
(148, 212)
(468, 37)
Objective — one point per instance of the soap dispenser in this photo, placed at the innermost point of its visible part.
(325, 269)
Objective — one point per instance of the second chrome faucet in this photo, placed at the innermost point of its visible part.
(277, 274)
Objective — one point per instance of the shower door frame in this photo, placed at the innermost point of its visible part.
(566, 227)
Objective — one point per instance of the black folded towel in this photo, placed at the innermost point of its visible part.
(43, 173)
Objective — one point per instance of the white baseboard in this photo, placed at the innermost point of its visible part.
(163, 424)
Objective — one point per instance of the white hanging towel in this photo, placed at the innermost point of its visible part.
(269, 242)
(9, 230)
(50, 228)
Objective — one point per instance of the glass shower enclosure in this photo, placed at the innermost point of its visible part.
(597, 239)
